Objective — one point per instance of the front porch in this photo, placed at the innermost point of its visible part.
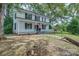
(30, 27)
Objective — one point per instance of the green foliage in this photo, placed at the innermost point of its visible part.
(8, 25)
(50, 9)
(73, 27)
(8, 21)
(50, 27)
(0, 7)
(60, 28)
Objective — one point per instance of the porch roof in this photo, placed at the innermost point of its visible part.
(33, 21)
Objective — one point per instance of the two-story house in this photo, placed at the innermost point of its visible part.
(27, 22)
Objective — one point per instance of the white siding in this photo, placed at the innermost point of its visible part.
(20, 14)
(47, 20)
(23, 30)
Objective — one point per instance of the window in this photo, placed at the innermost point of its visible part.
(15, 26)
(28, 26)
(43, 26)
(42, 18)
(37, 18)
(28, 16)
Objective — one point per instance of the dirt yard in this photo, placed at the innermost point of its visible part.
(37, 45)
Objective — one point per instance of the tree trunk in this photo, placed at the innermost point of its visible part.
(2, 14)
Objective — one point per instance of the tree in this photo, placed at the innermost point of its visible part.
(52, 10)
(8, 25)
(8, 21)
(5, 10)
(2, 15)
(73, 27)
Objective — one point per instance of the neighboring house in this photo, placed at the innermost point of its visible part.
(28, 22)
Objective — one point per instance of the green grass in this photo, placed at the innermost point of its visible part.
(75, 37)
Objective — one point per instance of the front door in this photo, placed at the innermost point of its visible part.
(37, 28)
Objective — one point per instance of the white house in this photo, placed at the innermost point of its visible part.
(27, 22)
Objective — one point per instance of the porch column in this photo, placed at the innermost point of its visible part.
(18, 27)
(40, 26)
(33, 26)
(47, 27)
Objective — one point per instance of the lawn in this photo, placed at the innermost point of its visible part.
(75, 37)
(44, 44)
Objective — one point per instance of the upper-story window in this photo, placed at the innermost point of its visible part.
(28, 16)
(37, 18)
(44, 19)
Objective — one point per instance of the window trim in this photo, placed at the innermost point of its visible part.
(28, 25)
(28, 16)
(37, 18)
(43, 26)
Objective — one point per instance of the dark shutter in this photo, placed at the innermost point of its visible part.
(15, 26)
(25, 15)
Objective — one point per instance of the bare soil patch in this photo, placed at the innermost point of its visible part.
(37, 45)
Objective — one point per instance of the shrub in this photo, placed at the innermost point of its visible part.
(73, 27)
(50, 27)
